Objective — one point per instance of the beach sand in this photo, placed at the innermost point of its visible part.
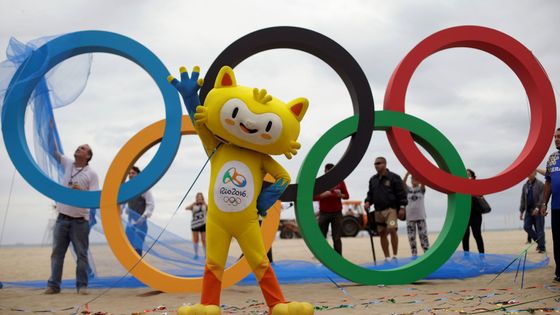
(424, 297)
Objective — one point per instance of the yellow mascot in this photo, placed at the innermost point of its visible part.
(240, 128)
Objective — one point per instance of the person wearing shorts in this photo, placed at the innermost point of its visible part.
(198, 222)
(387, 195)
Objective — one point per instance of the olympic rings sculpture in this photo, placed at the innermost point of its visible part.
(45, 58)
(449, 178)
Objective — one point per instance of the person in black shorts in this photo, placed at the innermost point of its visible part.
(198, 222)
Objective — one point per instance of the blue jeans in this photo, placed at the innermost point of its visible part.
(534, 226)
(69, 230)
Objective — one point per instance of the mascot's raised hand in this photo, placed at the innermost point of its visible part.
(240, 127)
(188, 87)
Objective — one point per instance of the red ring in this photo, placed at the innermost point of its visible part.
(534, 80)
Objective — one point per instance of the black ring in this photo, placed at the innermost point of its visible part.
(338, 59)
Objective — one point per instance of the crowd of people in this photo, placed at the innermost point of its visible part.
(390, 196)
(393, 199)
(73, 224)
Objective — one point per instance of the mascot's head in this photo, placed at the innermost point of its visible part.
(252, 119)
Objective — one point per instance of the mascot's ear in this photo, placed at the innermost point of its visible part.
(298, 107)
(225, 78)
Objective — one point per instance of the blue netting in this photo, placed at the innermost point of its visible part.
(460, 266)
(61, 86)
(171, 252)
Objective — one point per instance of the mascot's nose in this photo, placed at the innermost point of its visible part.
(249, 124)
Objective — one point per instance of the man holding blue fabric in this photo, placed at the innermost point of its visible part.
(552, 188)
(72, 223)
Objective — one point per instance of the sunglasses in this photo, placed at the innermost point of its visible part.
(378, 163)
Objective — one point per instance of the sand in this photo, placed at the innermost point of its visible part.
(424, 297)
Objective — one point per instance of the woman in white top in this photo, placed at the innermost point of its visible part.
(198, 223)
(416, 215)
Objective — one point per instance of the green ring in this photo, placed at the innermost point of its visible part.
(458, 205)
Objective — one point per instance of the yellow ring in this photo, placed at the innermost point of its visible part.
(116, 237)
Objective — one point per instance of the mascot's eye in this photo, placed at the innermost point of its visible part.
(268, 126)
(234, 113)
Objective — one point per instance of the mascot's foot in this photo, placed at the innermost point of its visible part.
(293, 308)
(200, 309)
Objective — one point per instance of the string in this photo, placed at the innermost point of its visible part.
(157, 238)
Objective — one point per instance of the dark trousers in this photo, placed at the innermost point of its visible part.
(555, 224)
(475, 224)
(335, 220)
(534, 226)
(69, 230)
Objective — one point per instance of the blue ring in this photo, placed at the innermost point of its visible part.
(49, 55)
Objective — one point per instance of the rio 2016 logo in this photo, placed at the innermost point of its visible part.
(448, 177)
(234, 177)
(235, 191)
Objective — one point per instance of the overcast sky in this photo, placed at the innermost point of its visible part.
(473, 98)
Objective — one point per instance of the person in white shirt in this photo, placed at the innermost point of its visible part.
(138, 209)
(416, 215)
(199, 209)
(72, 223)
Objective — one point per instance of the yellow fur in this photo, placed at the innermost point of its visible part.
(253, 125)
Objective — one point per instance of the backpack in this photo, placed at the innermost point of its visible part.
(484, 206)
